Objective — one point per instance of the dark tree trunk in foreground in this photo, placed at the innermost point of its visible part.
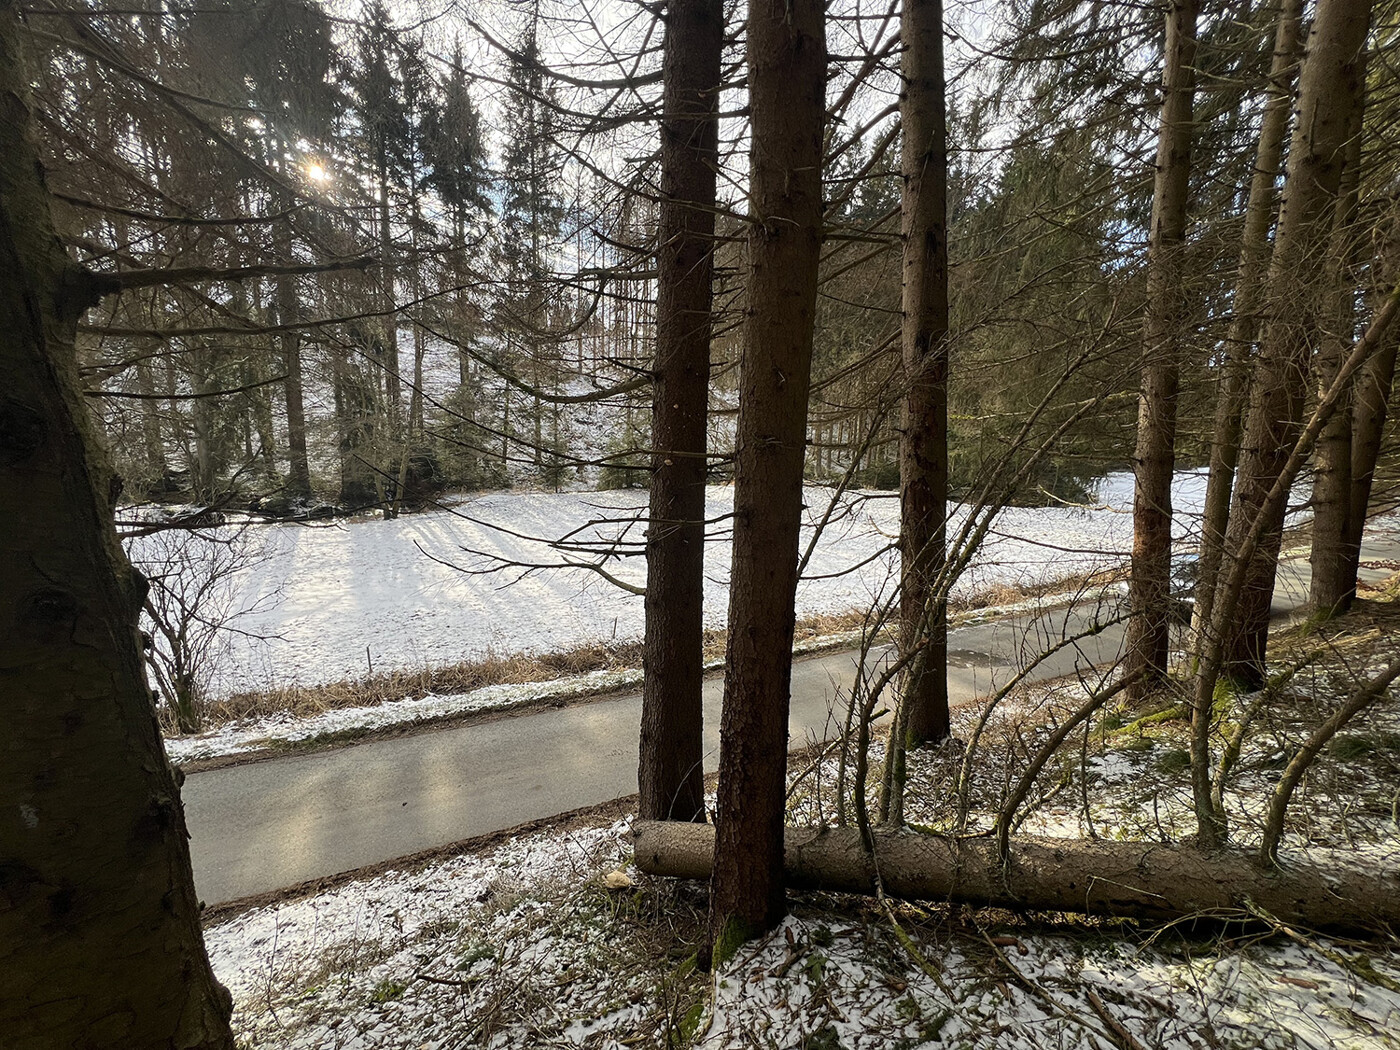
(787, 77)
(670, 776)
(1163, 333)
(923, 440)
(1331, 591)
(1244, 324)
(1329, 89)
(1142, 880)
(99, 929)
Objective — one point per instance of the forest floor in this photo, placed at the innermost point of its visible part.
(552, 938)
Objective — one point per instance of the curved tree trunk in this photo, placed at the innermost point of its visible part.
(670, 776)
(99, 927)
(787, 80)
(1163, 331)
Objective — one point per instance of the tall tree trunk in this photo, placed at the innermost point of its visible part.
(1163, 329)
(100, 943)
(923, 440)
(257, 409)
(146, 349)
(670, 775)
(1331, 590)
(207, 462)
(415, 396)
(1329, 89)
(150, 418)
(1371, 397)
(787, 78)
(298, 464)
(1244, 324)
(386, 458)
(1211, 827)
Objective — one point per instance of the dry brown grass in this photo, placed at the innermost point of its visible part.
(519, 668)
(493, 669)
(1008, 594)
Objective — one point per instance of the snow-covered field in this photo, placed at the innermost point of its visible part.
(325, 603)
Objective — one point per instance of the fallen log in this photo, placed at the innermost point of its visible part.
(1143, 880)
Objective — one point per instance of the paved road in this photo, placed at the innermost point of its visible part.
(270, 824)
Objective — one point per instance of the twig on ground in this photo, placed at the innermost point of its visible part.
(1360, 968)
(1121, 1035)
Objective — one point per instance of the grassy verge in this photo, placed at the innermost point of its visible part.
(521, 668)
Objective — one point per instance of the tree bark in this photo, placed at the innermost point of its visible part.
(1330, 591)
(298, 463)
(1163, 335)
(670, 775)
(1329, 88)
(151, 438)
(1370, 399)
(100, 943)
(386, 459)
(1149, 881)
(923, 439)
(1211, 650)
(787, 76)
(1244, 324)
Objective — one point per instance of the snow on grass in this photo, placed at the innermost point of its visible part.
(524, 946)
(284, 730)
(375, 596)
(259, 734)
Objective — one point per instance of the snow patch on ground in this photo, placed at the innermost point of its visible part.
(262, 733)
(522, 946)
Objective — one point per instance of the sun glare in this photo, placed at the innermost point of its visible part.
(316, 173)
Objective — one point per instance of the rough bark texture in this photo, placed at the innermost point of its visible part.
(1331, 591)
(1210, 655)
(1329, 89)
(386, 458)
(1164, 327)
(923, 440)
(1244, 324)
(1370, 399)
(1134, 879)
(670, 776)
(99, 930)
(787, 68)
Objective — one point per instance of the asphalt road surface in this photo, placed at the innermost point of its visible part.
(274, 823)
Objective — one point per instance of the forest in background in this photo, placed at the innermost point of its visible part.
(474, 195)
